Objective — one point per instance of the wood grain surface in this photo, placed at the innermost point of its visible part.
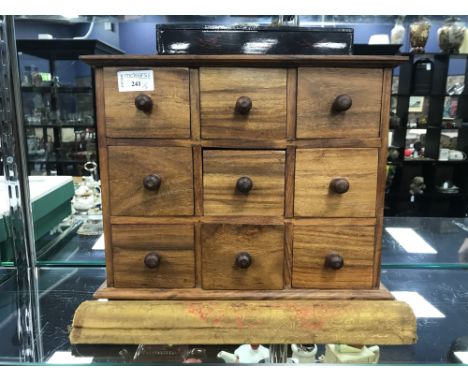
(382, 171)
(289, 181)
(170, 116)
(221, 87)
(255, 220)
(200, 146)
(128, 166)
(198, 179)
(221, 243)
(198, 255)
(222, 169)
(291, 104)
(247, 144)
(195, 104)
(313, 243)
(316, 168)
(234, 294)
(174, 243)
(317, 90)
(249, 60)
(331, 221)
(238, 322)
(103, 171)
(288, 253)
(338, 142)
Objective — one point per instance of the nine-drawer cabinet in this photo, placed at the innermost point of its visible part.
(245, 175)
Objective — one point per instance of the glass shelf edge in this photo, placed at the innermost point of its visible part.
(424, 266)
(70, 264)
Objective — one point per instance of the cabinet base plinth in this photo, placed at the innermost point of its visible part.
(112, 293)
(380, 322)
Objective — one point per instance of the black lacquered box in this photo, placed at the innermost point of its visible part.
(215, 39)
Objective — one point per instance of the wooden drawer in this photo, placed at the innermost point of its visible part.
(321, 174)
(169, 116)
(318, 88)
(226, 252)
(153, 256)
(312, 244)
(221, 88)
(130, 167)
(227, 175)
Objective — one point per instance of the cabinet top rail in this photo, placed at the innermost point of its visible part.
(245, 60)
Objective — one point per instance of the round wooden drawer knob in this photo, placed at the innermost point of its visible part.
(244, 184)
(342, 103)
(243, 260)
(243, 105)
(152, 260)
(334, 261)
(144, 103)
(152, 182)
(339, 185)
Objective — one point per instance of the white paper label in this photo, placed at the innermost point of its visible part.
(135, 80)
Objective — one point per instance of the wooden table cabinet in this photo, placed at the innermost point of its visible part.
(253, 179)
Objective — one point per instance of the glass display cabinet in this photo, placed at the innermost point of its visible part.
(424, 259)
(58, 104)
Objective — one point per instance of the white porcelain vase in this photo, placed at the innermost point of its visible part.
(397, 35)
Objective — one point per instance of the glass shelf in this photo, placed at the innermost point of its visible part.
(429, 127)
(428, 161)
(76, 251)
(428, 95)
(448, 236)
(60, 89)
(61, 290)
(61, 126)
(440, 54)
(66, 161)
(430, 194)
